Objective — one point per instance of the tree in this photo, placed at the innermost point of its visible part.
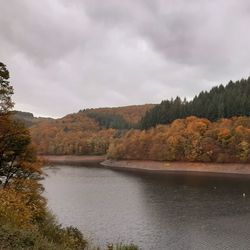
(190, 139)
(17, 157)
(6, 91)
(219, 102)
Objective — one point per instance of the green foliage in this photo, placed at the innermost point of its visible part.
(28, 118)
(13, 237)
(68, 238)
(131, 114)
(24, 117)
(16, 238)
(219, 102)
(6, 91)
(109, 120)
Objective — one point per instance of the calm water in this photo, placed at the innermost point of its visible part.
(153, 211)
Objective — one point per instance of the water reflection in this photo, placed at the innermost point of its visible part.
(155, 211)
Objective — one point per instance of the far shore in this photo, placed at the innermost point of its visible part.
(81, 160)
(180, 167)
(151, 166)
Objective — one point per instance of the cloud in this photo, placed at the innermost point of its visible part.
(65, 55)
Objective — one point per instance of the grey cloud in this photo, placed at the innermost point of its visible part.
(67, 55)
(193, 32)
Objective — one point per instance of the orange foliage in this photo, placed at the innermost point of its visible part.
(131, 114)
(22, 203)
(80, 134)
(73, 134)
(190, 139)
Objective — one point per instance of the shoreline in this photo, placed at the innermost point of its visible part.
(180, 167)
(74, 160)
(151, 166)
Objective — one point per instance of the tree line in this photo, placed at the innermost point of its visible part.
(75, 134)
(94, 131)
(109, 120)
(190, 139)
(219, 102)
(88, 132)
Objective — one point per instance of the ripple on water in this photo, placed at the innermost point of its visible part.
(154, 211)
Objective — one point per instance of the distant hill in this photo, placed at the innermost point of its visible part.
(91, 131)
(131, 114)
(119, 117)
(28, 118)
(86, 132)
(219, 102)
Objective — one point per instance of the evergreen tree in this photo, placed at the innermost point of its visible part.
(219, 102)
(6, 91)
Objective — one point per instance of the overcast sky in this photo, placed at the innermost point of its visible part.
(66, 55)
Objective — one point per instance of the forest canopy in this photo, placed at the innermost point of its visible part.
(190, 139)
(88, 132)
(219, 102)
(102, 130)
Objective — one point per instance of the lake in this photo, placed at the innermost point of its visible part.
(154, 211)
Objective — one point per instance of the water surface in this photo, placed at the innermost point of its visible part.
(162, 212)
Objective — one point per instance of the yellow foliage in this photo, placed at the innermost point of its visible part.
(190, 139)
(22, 204)
(13, 209)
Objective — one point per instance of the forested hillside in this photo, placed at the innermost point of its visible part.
(211, 138)
(28, 118)
(87, 132)
(219, 102)
(119, 117)
(190, 139)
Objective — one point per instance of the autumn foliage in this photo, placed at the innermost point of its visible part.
(80, 134)
(75, 134)
(132, 114)
(25, 222)
(190, 139)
